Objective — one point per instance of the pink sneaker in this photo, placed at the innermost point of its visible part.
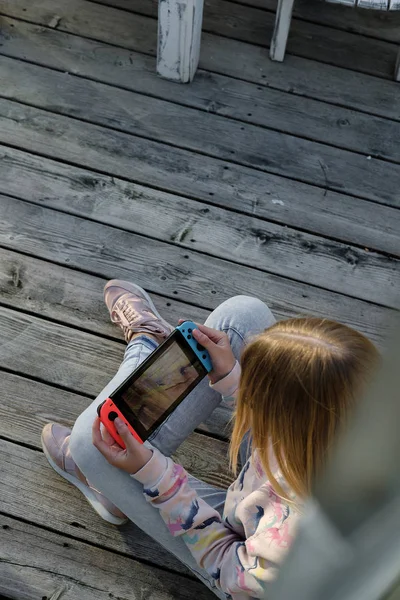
(55, 443)
(132, 309)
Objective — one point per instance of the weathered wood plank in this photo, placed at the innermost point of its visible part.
(168, 269)
(128, 111)
(182, 171)
(179, 38)
(377, 24)
(69, 296)
(27, 405)
(292, 203)
(29, 283)
(221, 233)
(297, 76)
(247, 24)
(22, 468)
(130, 69)
(76, 298)
(239, 100)
(281, 30)
(306, 39)
(373, 23)
(73, 299)
(267, 150)
(73, 189)
(36, 563)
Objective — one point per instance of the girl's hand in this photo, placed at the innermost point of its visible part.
(130, 460)
(219, 348)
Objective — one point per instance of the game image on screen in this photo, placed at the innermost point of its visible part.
(163, 382)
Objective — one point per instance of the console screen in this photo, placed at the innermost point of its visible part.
(163, 384)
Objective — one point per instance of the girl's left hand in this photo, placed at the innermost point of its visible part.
(130, 460)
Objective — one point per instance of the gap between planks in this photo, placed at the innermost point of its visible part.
(295, 76)
(214, 232)
(80, 569)
(308, 162)
(302, 207)
(250, 24)
(306, 119)
(23, 426)
(164, 269)
(368, 23)
(373, 56)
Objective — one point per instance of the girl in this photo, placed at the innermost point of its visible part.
(293, 388)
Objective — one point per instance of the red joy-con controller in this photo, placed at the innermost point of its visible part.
(108, 412)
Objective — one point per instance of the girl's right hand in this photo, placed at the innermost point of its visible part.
(219, 348)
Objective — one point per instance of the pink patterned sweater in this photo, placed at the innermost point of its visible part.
(242, 550)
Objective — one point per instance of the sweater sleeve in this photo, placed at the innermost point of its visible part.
(240, 567)
(228, 386)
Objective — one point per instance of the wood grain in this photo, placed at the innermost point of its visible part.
(247, 24)
(75, 360)
(277, 45)
(20, 277)
(32, 491)
(373, 23)
(70, 296)
(36, 563)
(185, 172)
(179, 39)
(297, 76)
(73, 189)
(130, 68)
(221, 233)
(221, 95)
(27, 405)
(306, 39)
(128, 111)
(55, 359)
(167, 269)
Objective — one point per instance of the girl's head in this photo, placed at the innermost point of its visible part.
(299, 379)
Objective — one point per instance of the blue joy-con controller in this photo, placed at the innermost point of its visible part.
(186, 329)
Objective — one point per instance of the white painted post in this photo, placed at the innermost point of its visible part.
(397, 68)
(281, 30)
(179, 37)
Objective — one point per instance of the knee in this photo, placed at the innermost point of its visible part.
(246, 310)
(246, 305)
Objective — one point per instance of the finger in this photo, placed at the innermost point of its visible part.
(130, 441)
(96, 431)
(107, 437)
(98, 441)
(203, 339)
(213, 334)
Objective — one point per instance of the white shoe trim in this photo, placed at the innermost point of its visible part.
(86, 491)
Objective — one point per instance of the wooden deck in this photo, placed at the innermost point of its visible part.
(276, 180)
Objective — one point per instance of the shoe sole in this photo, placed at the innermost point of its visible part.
(86, 491)
(132, 287)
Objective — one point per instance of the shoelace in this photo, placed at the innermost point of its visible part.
(129, 314)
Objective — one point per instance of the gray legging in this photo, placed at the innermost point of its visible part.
(240, 317)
